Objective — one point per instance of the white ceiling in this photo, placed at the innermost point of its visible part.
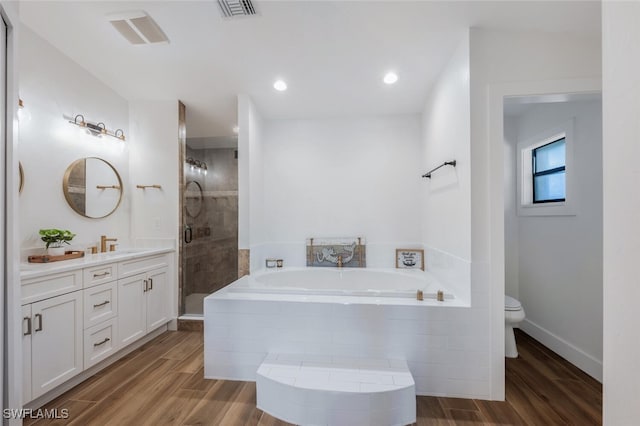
(332, 55)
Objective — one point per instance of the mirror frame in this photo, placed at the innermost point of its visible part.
(65, 187)
(21, 172)
(186, 208)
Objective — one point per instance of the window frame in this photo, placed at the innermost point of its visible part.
(524, 173)
(555, 170)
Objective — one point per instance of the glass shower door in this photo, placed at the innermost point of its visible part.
(210, 224)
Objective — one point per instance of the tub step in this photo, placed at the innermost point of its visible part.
(317, 390)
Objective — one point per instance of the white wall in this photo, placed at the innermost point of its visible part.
(446, 197)
(501, 59)
(559, 258)
(621, 172)
(341, 177)
(154, 154)
(446, 215)
(250, 175)
(53, 86)
(511, 245)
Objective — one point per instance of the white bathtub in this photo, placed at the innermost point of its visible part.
(330, 314)
(341, 282)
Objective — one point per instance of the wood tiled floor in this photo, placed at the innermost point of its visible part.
(162, 384)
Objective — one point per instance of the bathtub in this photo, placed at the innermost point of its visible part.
(352, 282)
(328, 314)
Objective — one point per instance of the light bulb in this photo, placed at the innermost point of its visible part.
(390, 78)
(280, 86)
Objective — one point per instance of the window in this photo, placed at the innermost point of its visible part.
(549, 174)
(545, 173)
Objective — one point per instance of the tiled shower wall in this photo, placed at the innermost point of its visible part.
(211, 259)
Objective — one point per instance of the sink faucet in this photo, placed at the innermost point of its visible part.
(103, 243)
(339, 261)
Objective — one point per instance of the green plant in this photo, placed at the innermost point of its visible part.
(56, 237)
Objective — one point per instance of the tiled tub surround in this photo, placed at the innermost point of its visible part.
(445, 347)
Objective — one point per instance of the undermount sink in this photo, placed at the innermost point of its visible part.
(124, 251)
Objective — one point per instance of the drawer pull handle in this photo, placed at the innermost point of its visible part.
(104, 274)
(39, 318)
(146, 286)
(150, 283)
(28, 332)
(106, 339)
(106, 302)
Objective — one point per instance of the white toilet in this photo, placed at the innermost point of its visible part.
(513, 314)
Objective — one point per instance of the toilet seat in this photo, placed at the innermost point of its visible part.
(511, 304)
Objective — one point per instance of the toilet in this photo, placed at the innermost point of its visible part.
(513, 314)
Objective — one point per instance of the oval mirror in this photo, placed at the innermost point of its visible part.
(193, 204)
(92, 187)
(21, 172)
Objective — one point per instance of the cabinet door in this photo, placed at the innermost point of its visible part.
(27, 330)
(56, 343)
(157, 298)
(132, 309)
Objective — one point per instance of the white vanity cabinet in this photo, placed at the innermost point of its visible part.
(52, 342)
(143, 297)
(74, 317)
(100, 314)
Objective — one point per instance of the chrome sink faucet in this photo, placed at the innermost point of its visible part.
(103, 243)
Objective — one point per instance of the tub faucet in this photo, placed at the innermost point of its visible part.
(103, 242)
(339, 261)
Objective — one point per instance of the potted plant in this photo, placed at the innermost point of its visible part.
(54, 239)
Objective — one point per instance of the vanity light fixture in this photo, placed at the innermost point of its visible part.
(97, 129)
(197, 166)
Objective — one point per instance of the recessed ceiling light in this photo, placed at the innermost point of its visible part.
(390, 77)
(280, 85)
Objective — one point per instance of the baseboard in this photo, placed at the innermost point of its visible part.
(571, 353)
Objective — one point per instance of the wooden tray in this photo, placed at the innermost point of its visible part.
(45, 258)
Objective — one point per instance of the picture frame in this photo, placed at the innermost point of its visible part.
(410, 258)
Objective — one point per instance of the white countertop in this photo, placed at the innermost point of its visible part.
(35, 270)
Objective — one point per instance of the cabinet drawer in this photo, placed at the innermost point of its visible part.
(36, 289)
(128, 268)
(100, 303)
(100, 274)
(100, 341)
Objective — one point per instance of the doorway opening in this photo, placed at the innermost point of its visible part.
(553, 249)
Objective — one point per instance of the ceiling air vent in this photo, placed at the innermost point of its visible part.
(138, 27)
(234, 8)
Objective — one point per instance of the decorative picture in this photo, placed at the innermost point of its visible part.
(410, 259)
(347, 252)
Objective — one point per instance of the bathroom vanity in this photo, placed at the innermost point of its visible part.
(79, 313)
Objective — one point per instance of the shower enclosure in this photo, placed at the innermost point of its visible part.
(210, 221)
